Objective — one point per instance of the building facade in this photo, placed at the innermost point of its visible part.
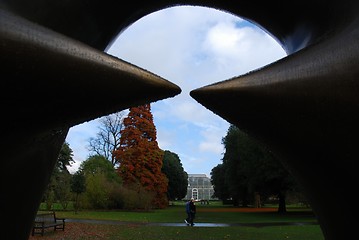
(199, 187)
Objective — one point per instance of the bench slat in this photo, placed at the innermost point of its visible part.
(47, 220)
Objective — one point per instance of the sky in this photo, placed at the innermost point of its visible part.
(191, 47)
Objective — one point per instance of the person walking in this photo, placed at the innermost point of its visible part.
(187, 220)
(192, 212)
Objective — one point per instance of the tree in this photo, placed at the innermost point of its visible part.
(263, 172)
(139, 157)
(218, 181)
(108, 138)
(177, 177)
(249, 168)
(58, 188)
(65, 158)
(98, 164)
(235, 180)
(62, 189)
(78, 186)
(101, 180)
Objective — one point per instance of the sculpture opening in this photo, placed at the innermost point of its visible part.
(315, 89)
(193, 47)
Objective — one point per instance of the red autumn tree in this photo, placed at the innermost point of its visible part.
(140, 159)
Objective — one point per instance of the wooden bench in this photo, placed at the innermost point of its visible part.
(47, 220)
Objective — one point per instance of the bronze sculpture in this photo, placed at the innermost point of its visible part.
(304, 107)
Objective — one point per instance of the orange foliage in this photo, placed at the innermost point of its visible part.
(139, 156)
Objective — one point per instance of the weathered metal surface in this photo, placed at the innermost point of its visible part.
(305, 106)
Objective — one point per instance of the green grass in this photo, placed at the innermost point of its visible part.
(243, 233)
(176, 213)
(205, 214)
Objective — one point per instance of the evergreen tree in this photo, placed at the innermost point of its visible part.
(58, 187)
(139, 157)
(220, 187)
(65, 158)
(176, 175)
(249, 168)
(78, 186)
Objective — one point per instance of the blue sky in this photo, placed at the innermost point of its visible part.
(191, 47)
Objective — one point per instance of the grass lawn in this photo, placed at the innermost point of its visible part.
(134, 227)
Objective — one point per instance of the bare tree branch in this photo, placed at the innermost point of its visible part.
(108, 137)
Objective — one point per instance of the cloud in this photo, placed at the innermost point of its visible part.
(78, 139)
(191, 47)
(237, 50)
(212, 140)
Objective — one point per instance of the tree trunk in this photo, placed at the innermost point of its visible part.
(281, 205)
(257, 200)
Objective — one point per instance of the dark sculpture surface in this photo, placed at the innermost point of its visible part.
(305, 107)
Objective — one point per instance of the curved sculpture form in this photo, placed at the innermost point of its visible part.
(305, 106)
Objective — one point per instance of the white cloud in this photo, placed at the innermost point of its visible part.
(191, 47)
(212, 140)
(78, 139)
(239, 50)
